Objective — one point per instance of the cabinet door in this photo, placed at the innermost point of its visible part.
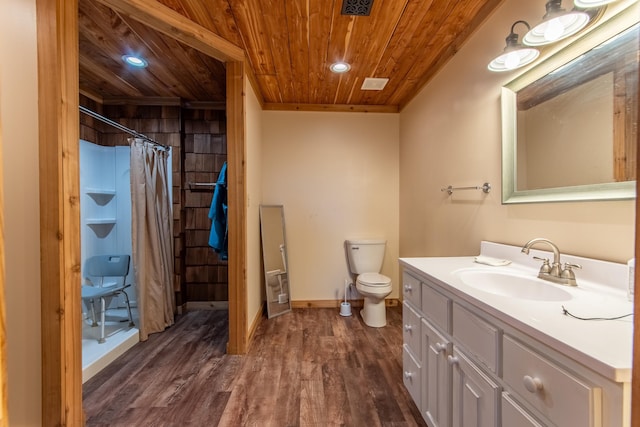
(475, 396)
(436, 377)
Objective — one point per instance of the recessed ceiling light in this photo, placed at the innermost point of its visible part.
(340, 67)
(134, 61)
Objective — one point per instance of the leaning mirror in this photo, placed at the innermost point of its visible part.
(569, 125)
(274, 256)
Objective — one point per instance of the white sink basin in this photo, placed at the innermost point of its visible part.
(513, 285)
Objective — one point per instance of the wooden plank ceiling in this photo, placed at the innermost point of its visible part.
(289, 46)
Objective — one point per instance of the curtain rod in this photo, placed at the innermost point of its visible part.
(119, 126)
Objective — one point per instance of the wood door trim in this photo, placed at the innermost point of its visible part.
(169, 22)
(236, 182)
(57, 36)
(58, 101)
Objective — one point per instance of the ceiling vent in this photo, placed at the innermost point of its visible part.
(372, 83)
(356, 7)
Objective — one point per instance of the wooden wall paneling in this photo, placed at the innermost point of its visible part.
(339, 38)
(372, 34)
(205, 153)
(215, 15)
(200, 79)
(401, 42)
(298, 35)
(318, 34)
(290, 44)
(279, 39)
(93, 71)
(57, 36)
(258, 50)
(169, 22)
(421, 51)
(237, 212)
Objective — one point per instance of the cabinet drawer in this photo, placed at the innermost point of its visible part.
(411, 289)
(436, 307)
(411, 374)
(477, 336)
(514, 415)
(411, 330)
(559, 395)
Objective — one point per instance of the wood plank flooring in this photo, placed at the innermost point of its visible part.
(310, 367)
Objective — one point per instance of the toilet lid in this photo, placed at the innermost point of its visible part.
(373, 279)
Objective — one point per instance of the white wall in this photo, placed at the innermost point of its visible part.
(450, 134)
(253, 138)
(19, 118)
(337, 176)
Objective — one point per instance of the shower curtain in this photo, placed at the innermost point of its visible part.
(152, 240)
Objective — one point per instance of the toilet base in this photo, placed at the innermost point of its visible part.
(374, 312)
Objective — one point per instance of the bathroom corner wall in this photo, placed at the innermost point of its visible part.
(450, 134)
(337, 176)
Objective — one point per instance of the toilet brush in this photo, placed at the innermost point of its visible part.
(345, 307)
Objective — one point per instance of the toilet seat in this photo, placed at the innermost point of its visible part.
(373, 279)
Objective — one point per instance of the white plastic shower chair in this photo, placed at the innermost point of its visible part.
(96, 269)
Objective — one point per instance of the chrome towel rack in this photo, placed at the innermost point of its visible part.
(200, 185)
(486, 187)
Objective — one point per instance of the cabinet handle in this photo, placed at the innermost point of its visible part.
(408, 328)
(453, 360)
(532, 384)
(440, 347)
(407, 288)
(408, 375)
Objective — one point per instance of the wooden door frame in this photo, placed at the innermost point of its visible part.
(58, 102)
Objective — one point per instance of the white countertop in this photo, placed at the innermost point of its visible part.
(602, 346)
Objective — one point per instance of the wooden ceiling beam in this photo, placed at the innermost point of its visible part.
(167, 21)
(343, 108)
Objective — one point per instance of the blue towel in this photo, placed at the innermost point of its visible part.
(218, 215)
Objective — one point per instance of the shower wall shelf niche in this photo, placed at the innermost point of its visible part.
(101, 196)
(101, 226)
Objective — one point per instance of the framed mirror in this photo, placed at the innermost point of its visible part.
(274, 255)
(569, 125)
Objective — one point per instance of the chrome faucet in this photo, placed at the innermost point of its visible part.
(554, 273)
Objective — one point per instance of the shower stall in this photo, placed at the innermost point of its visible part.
(105, 218)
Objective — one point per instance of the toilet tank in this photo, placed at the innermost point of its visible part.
(365, 256)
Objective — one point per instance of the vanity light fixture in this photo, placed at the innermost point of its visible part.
(135, 61)
(585, 4)
(340, 67)
(556, 24)
(515, 55)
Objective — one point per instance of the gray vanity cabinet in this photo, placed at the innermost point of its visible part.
(465, 367)
(454, 390)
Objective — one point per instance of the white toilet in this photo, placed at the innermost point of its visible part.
(365, 260)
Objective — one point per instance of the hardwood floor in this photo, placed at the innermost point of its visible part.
(310, 367)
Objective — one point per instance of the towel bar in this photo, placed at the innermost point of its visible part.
(486, 187)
